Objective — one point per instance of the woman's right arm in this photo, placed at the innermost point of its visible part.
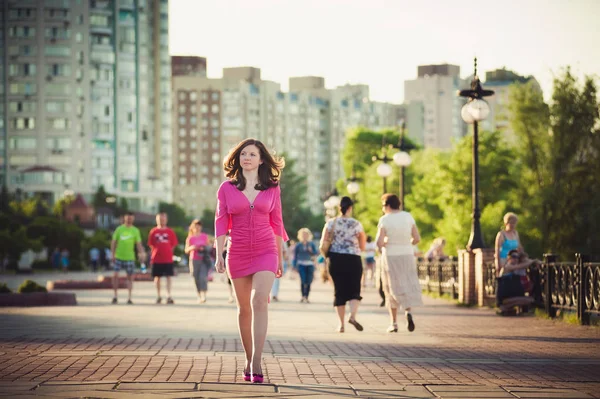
(188, 248)
(416, 237)
(499, 240)
(222, 226)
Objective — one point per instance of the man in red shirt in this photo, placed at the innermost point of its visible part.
(162, 240)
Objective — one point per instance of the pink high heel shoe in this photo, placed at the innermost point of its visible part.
(257, 378)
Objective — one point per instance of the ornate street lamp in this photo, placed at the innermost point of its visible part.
(474, 111)
(353, 187)
(331, 204)
(384, 170)
(403, 160)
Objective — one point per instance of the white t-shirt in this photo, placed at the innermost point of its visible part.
(370, 249)
(398, 230)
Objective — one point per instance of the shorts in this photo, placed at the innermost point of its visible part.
(370, 259)
(162, 270)
(127, 265)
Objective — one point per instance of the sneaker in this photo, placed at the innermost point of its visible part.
(275, 299)
(114, 301)
(306, 300)
(303, 300)
(356, 324)
(393, 328)
(410, 323)
(231, 299)
(158, 300)
(129, 302)
(171, 302)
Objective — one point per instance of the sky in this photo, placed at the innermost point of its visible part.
(380, 43)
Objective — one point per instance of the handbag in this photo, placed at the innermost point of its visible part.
(326, 240)
(509, 286)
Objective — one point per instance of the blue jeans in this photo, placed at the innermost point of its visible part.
(275, 288)
(306, 278)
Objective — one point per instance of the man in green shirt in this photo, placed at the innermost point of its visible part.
(124, 241)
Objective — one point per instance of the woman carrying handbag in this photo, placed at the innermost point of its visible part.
(343, 240)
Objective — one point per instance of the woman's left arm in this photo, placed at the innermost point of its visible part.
(380, 238)
(276, 221)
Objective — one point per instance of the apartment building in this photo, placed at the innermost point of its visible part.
(85, 98)
(308, 123)
(432, 106)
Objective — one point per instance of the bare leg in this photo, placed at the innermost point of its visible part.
(157, 285)
(116, 282)
(262, 282)
(353, 308)
(407, 311)
(169, 286)
(393, 315)
(341, 311)
(243, 290)
(130, 284)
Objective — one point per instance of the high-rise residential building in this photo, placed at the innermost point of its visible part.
(86, 98)
(432, 106)
(500, 81)
(308, 124)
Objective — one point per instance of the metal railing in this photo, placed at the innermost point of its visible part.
(439, 275)
(558, 286)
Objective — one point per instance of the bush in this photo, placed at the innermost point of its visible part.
(30, 286)
(4, 289)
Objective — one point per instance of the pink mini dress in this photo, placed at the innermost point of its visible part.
(253, 229)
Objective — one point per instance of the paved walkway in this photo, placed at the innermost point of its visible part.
(191, 350)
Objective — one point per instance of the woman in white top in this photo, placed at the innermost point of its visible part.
(396, 234)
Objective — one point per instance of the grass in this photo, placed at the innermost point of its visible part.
(564, 317)
(447, 297)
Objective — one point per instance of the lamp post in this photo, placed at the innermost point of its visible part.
(474, 111)
(330, 204)
(353, 187)
(402, 159)
(384, 169)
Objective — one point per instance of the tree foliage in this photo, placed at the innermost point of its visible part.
(560, 189)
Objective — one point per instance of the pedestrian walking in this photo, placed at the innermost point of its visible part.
(396, 234)
(198, 247)
(126, 238)
(64, 259)
(249, 207)
(107, 258)
(162, 241)
(347, 238)
(304, 259)
(55, 258)
(369, 272)
(507, 239)
(94, 258)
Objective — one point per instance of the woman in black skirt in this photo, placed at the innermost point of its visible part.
(345, 263)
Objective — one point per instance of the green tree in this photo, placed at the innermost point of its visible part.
(176, 214)
(559, 190)
(100, 196)
(293, 199)
(5, 199)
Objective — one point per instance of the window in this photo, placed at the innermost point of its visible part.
(193, 120)
(23, 88)
(215, 108)
(59, 70)
(78, 37)
(58, 123)
(215, 96)
(193, 132)
(107, 110)
(181, 132)
(23, 123)
(204, 108)
(21, 70)
(22, 143)
(182, 157)
(215, 132)
(193, 145)
(58, 106)
(57, 51)
(182, 170)
(57, 89)
(182, 95)
(204, 96)
(58, 33)
(59, 143)
(182, 109)
(214, 122)
(99, 20)
(182, 120)
(21, 13)
(22, 106)
(193, 95)
(215, 157)
(21, 31)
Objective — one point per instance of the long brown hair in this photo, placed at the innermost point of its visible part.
(269, 171)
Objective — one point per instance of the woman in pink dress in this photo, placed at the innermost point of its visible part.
(249, 208)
